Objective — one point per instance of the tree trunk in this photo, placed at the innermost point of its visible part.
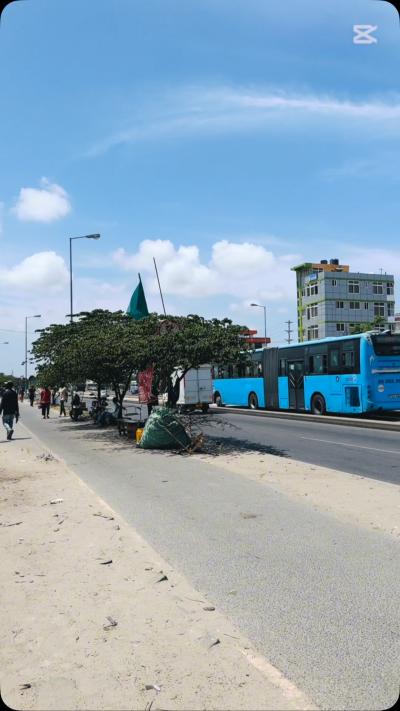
(174, 390)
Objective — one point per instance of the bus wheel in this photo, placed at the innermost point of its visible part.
(253, 401)
(218, 400)
(318, 405)
(204, 407)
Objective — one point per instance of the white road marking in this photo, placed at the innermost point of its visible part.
(357, 446)
(292, 692)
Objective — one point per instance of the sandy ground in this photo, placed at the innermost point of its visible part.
(87, 621)
(362, 501)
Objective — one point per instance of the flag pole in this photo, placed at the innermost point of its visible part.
(159, 286)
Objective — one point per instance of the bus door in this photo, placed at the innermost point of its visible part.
(296, 384)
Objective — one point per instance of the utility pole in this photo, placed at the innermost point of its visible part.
(289, 331)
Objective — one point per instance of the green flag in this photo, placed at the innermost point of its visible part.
(137, 308)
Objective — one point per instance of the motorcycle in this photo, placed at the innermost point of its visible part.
(97, 408)
(77, 408)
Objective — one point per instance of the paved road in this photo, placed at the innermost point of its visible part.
(318, 597)
(371, 453)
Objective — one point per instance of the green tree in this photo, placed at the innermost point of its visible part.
(108, 347)
(370, 326)
(185, 342)
(103, 346)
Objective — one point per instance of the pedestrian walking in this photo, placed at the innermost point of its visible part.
(45, 400)
(31, 394)
(9, 409)
(21, 393)
(63, 395)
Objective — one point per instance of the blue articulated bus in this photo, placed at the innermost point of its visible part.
(349, 375)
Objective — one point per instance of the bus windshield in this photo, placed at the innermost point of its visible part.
(386, 345)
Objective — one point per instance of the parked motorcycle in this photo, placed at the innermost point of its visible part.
(98, 407)
(77, 407)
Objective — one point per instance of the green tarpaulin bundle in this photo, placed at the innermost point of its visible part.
(163, 430)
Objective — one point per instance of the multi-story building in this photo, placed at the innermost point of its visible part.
(332, 301)
(397, 323)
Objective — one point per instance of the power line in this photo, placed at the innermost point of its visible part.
(289, 331)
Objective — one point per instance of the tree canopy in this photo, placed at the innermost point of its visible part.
(108, 347)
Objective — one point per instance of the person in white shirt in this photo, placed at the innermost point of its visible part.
(63, 395)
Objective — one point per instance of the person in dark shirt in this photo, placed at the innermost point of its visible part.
(31, 393)
(9, 409)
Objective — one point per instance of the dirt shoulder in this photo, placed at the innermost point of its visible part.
(88, 621)
(365, 502)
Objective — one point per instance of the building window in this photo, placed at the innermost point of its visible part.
(354, 305)
(312, 311)
(339, 304)
(354, 286)
(340, 327)
(312, 290)
(366, 305)
(334, 282)
(377, 287)
(379, 309)
(390, 308)
(389, 288)
(312, 333)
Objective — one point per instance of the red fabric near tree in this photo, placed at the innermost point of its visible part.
(145, 383)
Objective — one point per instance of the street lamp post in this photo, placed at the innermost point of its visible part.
(95, 236)
(260, 306)
(26, 343)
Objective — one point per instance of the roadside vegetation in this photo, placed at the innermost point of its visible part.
(110, 347)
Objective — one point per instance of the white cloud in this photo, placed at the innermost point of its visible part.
(197, 110)
(43, 271)
(372, 260)
(46, 204)
(245, 269)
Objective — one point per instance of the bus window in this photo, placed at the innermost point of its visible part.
(334, 359)
(318, 364)
(282, 366)
(348, 360)
(249, 370)
(386, 345)
(223, 372)
(238, 370)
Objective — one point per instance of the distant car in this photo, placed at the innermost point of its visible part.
(134, 389)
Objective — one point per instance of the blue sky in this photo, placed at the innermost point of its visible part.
(230, 140)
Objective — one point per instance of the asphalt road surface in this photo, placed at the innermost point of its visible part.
(317, 596)
(368, 452)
